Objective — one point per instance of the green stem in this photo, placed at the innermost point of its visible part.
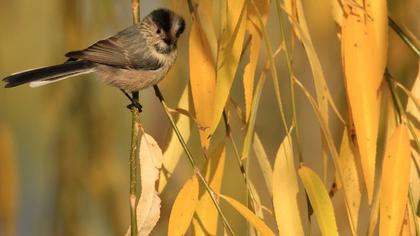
(191, 160)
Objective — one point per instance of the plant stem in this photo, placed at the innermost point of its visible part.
(135, 145)
(239, 161)
(191, 160)
(135, 9)
(406, 36)
(135, 141)
(292, 87)
(274, 75)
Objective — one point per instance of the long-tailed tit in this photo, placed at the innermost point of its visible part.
(133, 59)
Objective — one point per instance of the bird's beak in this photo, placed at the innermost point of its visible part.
(167, 40)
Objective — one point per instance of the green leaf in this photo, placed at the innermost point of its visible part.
(320, 201)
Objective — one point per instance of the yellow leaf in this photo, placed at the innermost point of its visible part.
(395, 182)
(249, 216)
(264, 163)
(256, 201)
(363, 60)
(205, 10)
(184, 208)
(351, 180)
(405, 231)
(286, 191)
(388, 123)
(413, 104)
(290, 8)
(377, 10)
(230, 49)
(207, 216)
(320, 201)
(174, 151)
(337, 11)
(255, 44)
(203, 82)
(328, 138)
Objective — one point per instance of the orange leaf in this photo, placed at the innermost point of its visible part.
(207, 215)
(351, 181)
(203, 82)
(364, 54)
(395, 182)
(250, 216)
(183, 208)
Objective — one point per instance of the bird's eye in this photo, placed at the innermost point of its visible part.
(158, 31)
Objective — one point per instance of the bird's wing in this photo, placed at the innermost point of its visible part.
(122, 50)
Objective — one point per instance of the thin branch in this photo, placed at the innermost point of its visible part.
(135, 141)
(406, 36)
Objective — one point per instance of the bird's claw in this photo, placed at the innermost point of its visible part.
(135, 104)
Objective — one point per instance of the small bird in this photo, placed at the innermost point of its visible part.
(135, 58)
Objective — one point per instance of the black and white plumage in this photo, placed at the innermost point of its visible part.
(133, 59)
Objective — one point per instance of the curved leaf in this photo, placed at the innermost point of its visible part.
(253, 29)
(184, 208)
(249, 215)
(395, 182)
(207, 217)
(203, 82)
(148, 207)
(285, 191)
(230, 49)
(364, 54)
(320, 201)
(351, 181)
(264, 163)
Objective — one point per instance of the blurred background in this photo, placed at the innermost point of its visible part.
(64, 148)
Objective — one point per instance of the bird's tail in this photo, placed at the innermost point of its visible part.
(45, 75)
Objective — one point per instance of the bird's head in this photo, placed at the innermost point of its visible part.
(164, 29)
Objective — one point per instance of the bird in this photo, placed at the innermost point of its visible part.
(133, 59)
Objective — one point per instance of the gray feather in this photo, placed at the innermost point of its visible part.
(48, 73)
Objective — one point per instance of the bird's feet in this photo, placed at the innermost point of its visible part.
(134, 102)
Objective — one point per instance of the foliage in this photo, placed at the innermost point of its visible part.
(293, 121)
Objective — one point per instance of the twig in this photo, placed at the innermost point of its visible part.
(135, 142)
(135, 145)
(191, 160)
(406, 36)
